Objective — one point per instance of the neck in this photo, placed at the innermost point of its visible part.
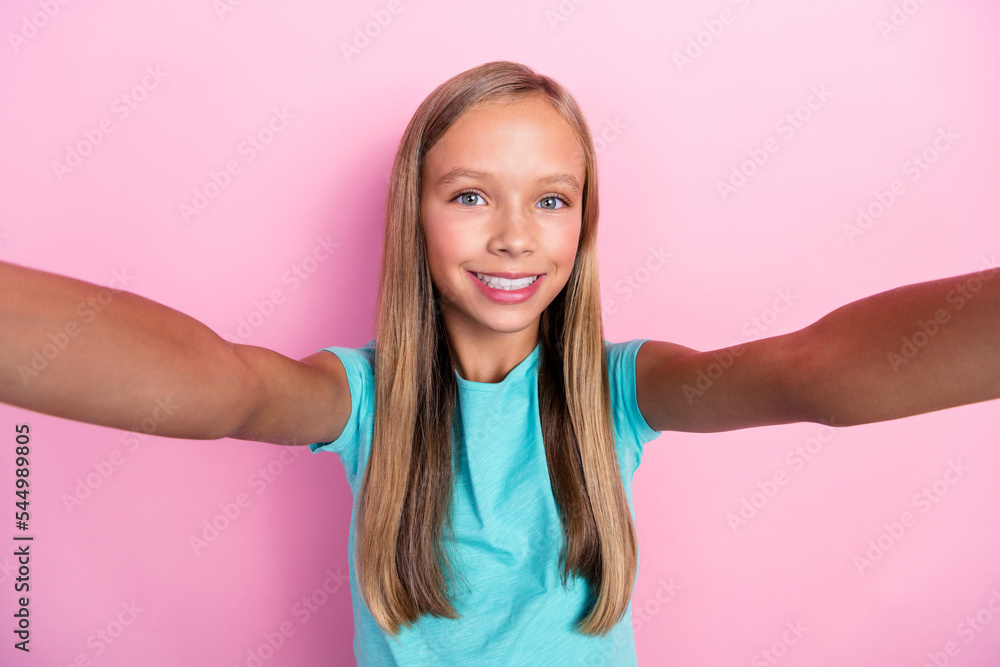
(489, 356)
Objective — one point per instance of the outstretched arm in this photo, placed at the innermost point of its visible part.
(913, 349)
(75, 350)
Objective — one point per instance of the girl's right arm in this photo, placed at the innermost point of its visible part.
(75, 350)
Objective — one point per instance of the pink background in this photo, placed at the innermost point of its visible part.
(707, 594)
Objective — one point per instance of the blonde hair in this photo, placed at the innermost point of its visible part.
(404, 501)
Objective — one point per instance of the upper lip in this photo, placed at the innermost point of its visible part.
(513, 275)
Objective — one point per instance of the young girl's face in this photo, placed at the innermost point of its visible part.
(502, 196)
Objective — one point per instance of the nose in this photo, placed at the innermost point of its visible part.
(513, 234)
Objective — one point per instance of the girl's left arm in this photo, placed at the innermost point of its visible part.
(913, 349)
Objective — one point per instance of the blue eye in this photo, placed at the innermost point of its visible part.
(469, 197)
(550, 202)
(472, 198)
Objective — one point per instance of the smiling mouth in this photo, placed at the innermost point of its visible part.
(506, 284)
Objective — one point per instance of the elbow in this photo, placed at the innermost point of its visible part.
(805, 386)
(818, 388)
(242, 384)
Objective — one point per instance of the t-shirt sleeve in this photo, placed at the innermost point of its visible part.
(360, 379)
(630, 425)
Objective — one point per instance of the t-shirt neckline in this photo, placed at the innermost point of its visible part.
(519, 371)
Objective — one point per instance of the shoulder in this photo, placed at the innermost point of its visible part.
(358, 365)
(360, 356)
(623, 353)
(629, 422)
(621, 359)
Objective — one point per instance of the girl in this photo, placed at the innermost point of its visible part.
(489, 432)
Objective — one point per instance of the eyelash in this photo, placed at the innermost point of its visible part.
(565, 202)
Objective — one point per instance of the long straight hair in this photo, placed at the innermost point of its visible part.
(403, 509)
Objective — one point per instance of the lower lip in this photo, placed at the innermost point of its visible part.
(507, 296)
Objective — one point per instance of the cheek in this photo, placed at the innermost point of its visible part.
(569, 243)
(444, 247)
(449, 235)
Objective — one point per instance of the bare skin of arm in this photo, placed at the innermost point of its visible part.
(910, 350)
(92, 354)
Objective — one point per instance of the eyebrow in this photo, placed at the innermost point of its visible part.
(564, 179)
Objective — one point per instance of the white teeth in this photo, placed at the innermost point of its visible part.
(506, 284)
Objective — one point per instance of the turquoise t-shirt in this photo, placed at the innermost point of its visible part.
(514, 609)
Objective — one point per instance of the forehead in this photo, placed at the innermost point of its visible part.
(520, 139)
